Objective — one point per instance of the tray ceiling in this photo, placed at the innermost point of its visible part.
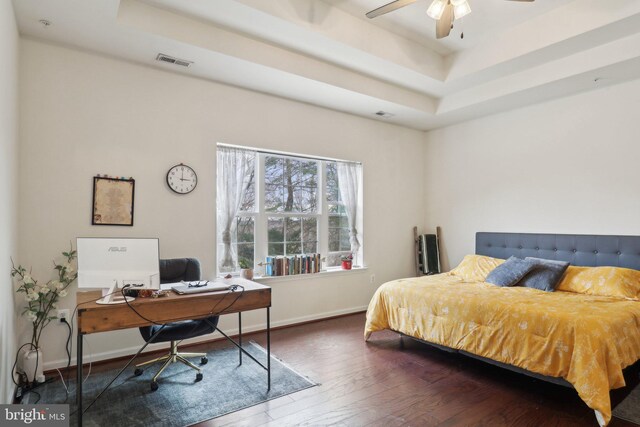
(328, 54)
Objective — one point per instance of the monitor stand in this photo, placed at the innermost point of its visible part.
(113, 296)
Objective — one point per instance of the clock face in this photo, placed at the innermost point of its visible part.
(182, 179)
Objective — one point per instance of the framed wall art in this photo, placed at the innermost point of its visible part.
(113, 201)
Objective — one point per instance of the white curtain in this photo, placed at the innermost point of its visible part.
(234, 170)
(349, 175)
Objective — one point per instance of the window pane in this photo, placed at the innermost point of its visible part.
(275, 227)
(288, 199)
(290, 167)
(294, 248)
(291, 185)
(245, 252)
(292, 230)
(333, 192)
(248, 203)
(276, 249)
(337, 209)
(309, 230)
(309, 173)
(245, 229)
(305, 200)
(292, 172)
(273, 170)
(344, 240)
(273, 198)
(310, 247)
(334, 239)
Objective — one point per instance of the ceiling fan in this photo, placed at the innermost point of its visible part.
(443, 11)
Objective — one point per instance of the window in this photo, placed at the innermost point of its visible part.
(290, 206)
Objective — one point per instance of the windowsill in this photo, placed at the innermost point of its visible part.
(325, 273)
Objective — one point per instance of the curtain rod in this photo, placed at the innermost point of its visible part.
(284, 153)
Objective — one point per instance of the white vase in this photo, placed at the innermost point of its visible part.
(32, 363)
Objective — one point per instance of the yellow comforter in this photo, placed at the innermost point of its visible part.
(585, 339)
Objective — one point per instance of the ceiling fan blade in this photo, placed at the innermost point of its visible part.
(527, 1)
(444, 24)
(389, 7)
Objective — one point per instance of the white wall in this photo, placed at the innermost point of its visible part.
(8, 191)
(566, 166)
(84, 114)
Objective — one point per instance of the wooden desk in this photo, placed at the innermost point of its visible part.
(93, 317)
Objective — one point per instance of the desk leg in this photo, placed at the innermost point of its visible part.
(268, 348)
(79, 379)
(240, 336)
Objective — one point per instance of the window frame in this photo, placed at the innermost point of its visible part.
(261, 216)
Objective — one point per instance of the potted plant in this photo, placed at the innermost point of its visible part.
(347, 261)
(42, 300)
(246, 269)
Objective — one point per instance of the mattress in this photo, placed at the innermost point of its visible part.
(586, 340)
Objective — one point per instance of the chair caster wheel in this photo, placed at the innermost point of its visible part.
(203, 360)
(138, 372)
(154, 386)
(198, 377)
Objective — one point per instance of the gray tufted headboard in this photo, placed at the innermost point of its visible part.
(581, 250)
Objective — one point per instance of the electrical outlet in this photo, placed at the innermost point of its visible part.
(63, 314)
(372, 280)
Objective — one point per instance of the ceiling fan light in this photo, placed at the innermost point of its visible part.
(458, 2)
(436, 9)
(462, 9)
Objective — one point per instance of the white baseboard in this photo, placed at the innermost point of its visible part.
(128, 351)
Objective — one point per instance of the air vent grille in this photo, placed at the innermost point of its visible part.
(171, 60)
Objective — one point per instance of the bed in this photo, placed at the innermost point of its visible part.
(581, 340)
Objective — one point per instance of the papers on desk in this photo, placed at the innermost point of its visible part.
(197, 287)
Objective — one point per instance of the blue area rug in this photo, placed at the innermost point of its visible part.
(179, 401)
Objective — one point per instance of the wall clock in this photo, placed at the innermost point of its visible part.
(182, 179)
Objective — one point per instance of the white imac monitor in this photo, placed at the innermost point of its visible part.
(111, 264)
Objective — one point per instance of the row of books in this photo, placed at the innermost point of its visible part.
(291, 265)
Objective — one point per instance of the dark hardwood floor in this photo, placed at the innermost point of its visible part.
(379, 383)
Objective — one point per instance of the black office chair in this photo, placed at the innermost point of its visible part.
(175, 270)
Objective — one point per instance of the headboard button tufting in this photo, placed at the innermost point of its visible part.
(574, 251)
(595, 252)
(537, 248)
(618, 253)
(555, 249)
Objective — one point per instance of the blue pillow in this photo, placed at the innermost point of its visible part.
(545, 275)
(510, 272)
